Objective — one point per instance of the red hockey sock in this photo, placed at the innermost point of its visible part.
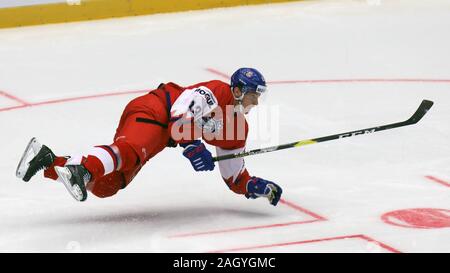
(94, 165)
(105, 159)
(128, 157)
(100, 161)
(50, 172)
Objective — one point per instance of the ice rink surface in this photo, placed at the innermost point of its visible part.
(333, 66)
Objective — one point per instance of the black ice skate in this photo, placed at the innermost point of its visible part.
(41, 158)
(75, 178)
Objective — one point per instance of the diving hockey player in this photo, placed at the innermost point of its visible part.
(168, 116)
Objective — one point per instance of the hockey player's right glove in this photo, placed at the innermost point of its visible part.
(201, 159)
(258, 187)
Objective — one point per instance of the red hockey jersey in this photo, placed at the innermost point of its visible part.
(211, 101)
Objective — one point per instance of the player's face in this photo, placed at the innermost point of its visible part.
(250, 100)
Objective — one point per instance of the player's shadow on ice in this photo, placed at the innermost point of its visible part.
(134, 229)
(164, 217)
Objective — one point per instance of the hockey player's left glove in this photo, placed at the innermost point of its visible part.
(258, 187)
(201, 159)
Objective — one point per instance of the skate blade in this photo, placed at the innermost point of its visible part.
(31, 150)
(64, 174)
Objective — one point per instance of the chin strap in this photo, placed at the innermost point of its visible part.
(238, 108)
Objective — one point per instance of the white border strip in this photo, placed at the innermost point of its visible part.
(21, 3)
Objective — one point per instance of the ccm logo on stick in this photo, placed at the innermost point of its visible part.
(363, 132)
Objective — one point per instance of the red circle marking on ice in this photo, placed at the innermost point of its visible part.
(418, 218)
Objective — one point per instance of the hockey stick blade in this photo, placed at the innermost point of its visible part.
(416, 117)
(420, 112)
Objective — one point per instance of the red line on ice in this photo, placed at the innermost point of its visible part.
(383, 245)
(400, 80)
(217, 72)
(359, 236)
(437, 180)
(297, 207)
(24, 104)
(111, 94)
(14, 98)
(364, 81)
(242, 229)
(282, 201)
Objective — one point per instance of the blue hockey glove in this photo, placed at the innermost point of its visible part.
(201, 159)
(258, 187)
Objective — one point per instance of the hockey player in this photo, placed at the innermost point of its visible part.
(168, 116)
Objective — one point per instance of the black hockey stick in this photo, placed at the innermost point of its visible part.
(420, 112)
